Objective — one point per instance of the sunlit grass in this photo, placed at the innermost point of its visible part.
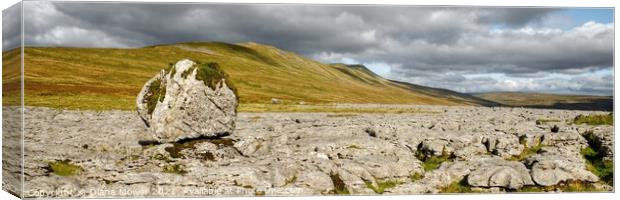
(330, 108)
(595, 163)
(527, 152)
(416, 176)
(566, 186)
(595, 119)
(382, 185)
(460, 186)
(106, 78)
(64, 168)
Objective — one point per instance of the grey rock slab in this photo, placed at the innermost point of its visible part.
(555, 166)
(500, 173)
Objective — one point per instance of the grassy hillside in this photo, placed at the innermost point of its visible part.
(556, 101)
(10, 77)
(108, 78)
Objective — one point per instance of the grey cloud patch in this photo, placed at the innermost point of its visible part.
(417, 43)
(11, 28)
(521, 52)
(515, 16)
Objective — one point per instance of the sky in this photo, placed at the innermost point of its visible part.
(466, 49)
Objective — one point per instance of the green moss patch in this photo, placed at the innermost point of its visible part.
(172, 69)
(595, 119)
(157, 92)
(211, 74)
(64, 168)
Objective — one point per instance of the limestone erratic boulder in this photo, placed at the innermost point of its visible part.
(190, 100)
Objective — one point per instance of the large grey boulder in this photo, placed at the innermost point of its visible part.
(189, 101)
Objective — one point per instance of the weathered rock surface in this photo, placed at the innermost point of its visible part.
(12, 149)
(485, 171)
(500, 173)
(603, 137)
(557, 164)
(302, 153)
(503, 145)
(186, 107)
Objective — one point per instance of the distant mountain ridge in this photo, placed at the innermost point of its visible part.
(551, 101)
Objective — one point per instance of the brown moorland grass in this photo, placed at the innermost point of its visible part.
(108, 78)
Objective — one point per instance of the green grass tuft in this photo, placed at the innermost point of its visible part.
(382, 185)
(64, 168)
(604, 169)
(593, 154)
(527, 152)
(174, 169)
(595, 119)
(432, 162)
(566, 186)
(416, 176)
(457, 187)
(530, 189)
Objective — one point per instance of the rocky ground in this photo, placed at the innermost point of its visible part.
(473, 149)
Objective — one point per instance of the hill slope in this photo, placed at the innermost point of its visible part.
(108, 78)
(555, 101)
